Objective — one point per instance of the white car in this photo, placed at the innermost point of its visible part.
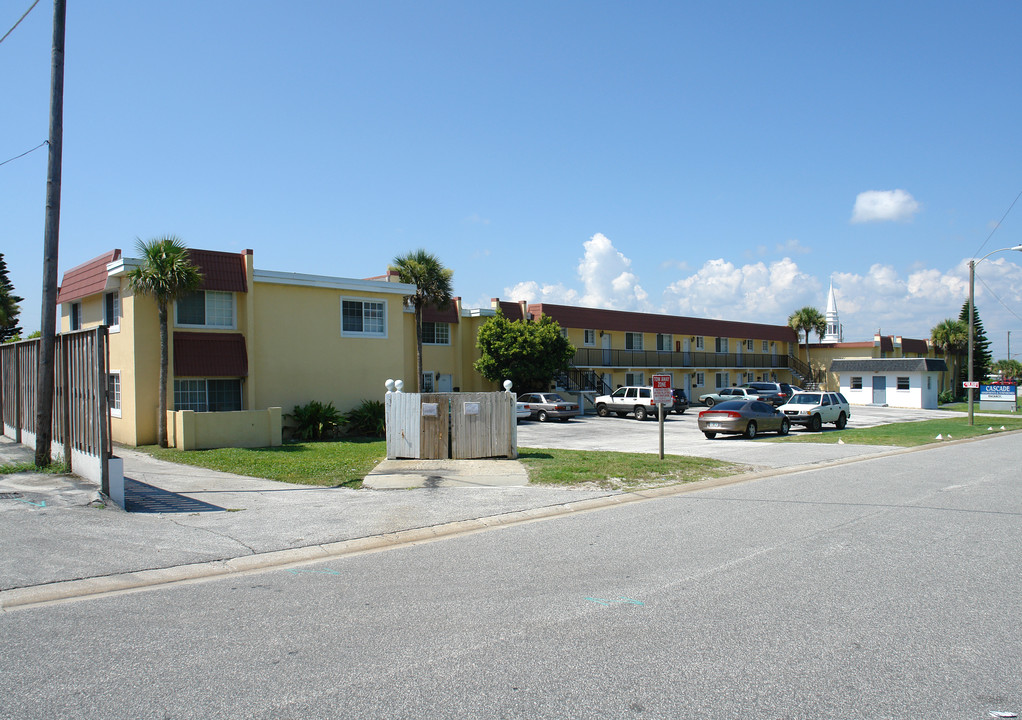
(626, 400)
(812, 409)
(522, 411)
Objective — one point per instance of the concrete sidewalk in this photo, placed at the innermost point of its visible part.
(214, 522)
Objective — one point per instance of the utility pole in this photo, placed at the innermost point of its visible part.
(51, 245)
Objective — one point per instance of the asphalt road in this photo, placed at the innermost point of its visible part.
(879, 589)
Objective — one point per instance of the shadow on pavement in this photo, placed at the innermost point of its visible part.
(142, 498)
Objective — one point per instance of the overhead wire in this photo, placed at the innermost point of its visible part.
(24, 15)
(998, 225)
(44, 142)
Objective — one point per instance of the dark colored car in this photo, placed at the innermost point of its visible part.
(545, 405)
(680, 401)
(775, 393)
(742, 417)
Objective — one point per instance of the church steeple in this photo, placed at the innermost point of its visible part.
(834, 333)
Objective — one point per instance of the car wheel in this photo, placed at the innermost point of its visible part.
(541, 416)
(602, 410)
(841, 421)
(785, 427)
(815, 423)
(640, 412)
(710, 435)
(681, 412)
(709, 402)
(750, 429)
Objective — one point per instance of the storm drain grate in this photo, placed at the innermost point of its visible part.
(9, 495)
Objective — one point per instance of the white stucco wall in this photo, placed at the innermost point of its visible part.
(922, 392)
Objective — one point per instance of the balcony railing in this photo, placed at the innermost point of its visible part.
(601, 358)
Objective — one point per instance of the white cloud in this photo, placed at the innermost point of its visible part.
(884, 206)
(534, 292)
(792, 247)
(607, 279)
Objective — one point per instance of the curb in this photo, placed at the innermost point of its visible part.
(137, 581)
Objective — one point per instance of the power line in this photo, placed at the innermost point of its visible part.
(998, 225)
(19, 21)
(44, 142)
(998, 299)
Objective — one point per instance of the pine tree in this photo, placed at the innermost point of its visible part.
(982, 358)
(9, 309)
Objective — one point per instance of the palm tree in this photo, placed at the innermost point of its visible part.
(808, 319)
(165, 274)
(950, 336)
(432, 283)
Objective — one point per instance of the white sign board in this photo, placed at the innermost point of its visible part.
(973, 384)
(662, 394)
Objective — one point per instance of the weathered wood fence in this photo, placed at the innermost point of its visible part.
(81, 416)
(439, 426)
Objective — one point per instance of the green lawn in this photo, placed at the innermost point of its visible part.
(55, 468)
(964, 407)
(619, 471)
(909, 434)
(332, 464)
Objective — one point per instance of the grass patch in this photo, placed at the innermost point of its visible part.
(964, 407)
(331, 464)
(56, 468)
(908, 434)
(619, 471)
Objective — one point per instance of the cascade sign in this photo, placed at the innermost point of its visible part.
(662, 393)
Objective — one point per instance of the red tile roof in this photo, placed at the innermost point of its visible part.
(199, 354)
(86, 279)
(512, 310)
(220, 270)
(616, 320)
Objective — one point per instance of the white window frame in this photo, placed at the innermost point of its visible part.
(363, 333)
(114, 299)
(114, 392)
(722, 380)
(699, 343)
(206, 296)
(636, 340)
(428, 381)
(664, 342)
(766, 347)
(908, 382)
(700, 379)
(720, 345)
(636, 378)
(749, 345)
(437, 325)
(75, 316)
(589, 338)
(205, 391)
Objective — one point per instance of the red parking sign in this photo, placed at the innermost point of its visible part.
(662, 394)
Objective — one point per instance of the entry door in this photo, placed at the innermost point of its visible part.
(444, 383)
(879, 389)
(687, 357)
(606, 348)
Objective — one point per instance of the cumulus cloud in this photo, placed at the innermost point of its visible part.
(792, 247)
(756, 292)
(534, 292)
(607, 277)
(884, 206)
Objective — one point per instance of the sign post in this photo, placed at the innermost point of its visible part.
(662, 395)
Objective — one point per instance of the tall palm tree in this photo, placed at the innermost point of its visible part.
(165, 274)
(950, 336)
(433, 287)
(808, 319)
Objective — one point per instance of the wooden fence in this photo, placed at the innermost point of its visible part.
(81, 416)
(439, 426)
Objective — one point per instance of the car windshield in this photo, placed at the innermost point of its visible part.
(806, 399)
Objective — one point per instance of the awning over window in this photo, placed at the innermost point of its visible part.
(210, 355)
(220, 270)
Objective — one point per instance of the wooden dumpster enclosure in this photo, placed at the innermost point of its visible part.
(439, 426)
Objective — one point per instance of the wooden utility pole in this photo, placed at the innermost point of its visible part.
(51, 245)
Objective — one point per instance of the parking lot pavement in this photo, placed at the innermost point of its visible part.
(682, 437)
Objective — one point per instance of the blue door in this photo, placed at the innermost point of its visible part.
(879, 389)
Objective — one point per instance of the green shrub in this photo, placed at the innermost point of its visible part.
(315, 421)
(368, 419)
(947, 397)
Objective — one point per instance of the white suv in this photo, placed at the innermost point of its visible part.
(625, 400)
(812, 409)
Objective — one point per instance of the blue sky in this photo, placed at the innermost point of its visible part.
(715, 159)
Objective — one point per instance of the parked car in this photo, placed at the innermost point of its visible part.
(680, 401)
(731, 393)
(625, 400)
(775, 393)
(544, 405)
(812, 409)
(522, 411)
(742, 417)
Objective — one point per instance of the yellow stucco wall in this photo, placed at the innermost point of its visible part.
(298, 353)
